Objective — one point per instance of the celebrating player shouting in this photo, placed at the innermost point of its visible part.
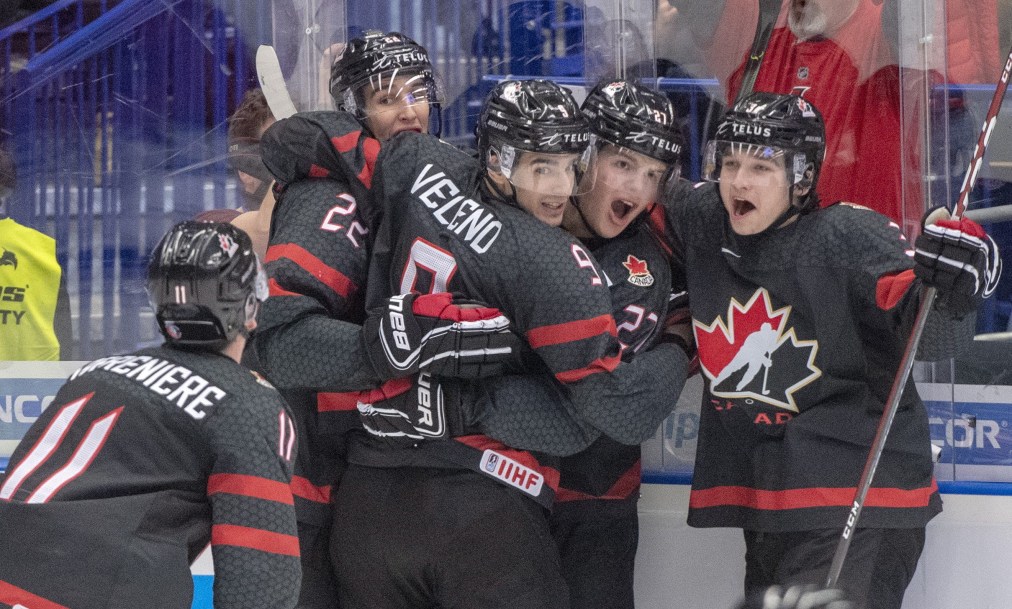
(801, 316)
(452, 224)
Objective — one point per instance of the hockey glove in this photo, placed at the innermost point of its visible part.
(435, 334)
(797, 597)
(406, 411)
(959, 259)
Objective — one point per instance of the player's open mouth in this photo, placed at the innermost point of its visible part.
(740, 207)
(554, 206)
(622, 209)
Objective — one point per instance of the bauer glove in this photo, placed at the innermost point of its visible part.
(433, 333)
(406, 411)
(959, 259)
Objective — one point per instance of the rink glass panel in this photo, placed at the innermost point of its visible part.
(116, 114)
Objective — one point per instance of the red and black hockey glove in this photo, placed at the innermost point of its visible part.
(959, 259)
(406, 411)
(436, 334)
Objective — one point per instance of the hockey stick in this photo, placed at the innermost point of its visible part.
(272, 83)
(907, 362)
(769, 11)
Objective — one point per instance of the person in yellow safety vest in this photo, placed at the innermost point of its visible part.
(34, 310)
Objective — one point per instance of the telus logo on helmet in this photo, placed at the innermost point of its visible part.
(642, 137)
(747, 129)
(568, 138)
(400, 59)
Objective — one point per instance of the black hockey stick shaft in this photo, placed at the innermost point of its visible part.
(907, 362)
(769, 10)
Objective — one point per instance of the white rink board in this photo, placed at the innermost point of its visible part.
(965, 562)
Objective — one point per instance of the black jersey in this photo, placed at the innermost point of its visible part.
(639, 276)
(439, 234)
(800, 332)
(140, 462)
(308, 340)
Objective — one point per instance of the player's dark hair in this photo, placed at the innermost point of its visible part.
(244, 129)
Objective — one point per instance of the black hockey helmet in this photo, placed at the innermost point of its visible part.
(628, 115)
(530, 116)
(772, 125)
(374, 61)
(204, 283)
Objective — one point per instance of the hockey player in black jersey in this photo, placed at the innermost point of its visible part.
(479, 531)
(801, 316)
(594, 519)
(309, 341)
(143, 459)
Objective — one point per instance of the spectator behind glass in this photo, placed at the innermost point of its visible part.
(245, 127)
(253, 181)
(34, 308)
(843, 52)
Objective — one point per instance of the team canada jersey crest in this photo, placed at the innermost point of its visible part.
(756, 354)
(639, 274)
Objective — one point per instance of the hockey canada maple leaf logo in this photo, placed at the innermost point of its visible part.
(755, 354)
(639, 274)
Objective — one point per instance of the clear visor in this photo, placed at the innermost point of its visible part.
(758, 164)
(395, 91)
(560, 175)
(631, 176)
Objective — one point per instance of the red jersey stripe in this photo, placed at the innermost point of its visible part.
(275, 289)
(12, 595)
(302, 487)
(347, 142)
(315, 171)
(372, 149)
(250, 486)
(891, 288)
(571, 331)
(333, 401)
(802, 498)
(257, 539)
(657, 222)
(330, 277)
(601, 364)
(624, 488)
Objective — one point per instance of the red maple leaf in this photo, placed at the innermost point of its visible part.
(635, 265)
(718, 343)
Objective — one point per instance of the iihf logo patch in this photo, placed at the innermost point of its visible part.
(639, 274)
(173, 330)
(490, 461)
